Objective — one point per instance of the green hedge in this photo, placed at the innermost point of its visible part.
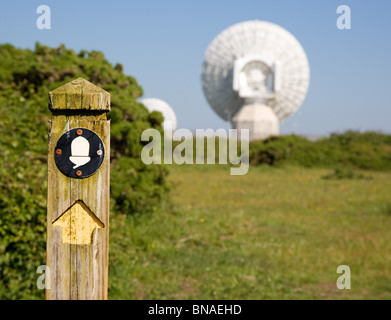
(360, 150)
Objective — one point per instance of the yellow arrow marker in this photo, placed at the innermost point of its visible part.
(78, 223)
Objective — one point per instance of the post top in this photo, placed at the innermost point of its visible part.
(79, 94)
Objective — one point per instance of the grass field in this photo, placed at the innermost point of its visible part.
(271, 234)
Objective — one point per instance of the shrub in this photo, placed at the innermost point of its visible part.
(362, 150)
(26, 77)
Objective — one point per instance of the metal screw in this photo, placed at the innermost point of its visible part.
(99, 152)
(78, 173)
(79, 132)
(58, 151)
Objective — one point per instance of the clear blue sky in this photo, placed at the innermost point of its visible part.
(162, 44)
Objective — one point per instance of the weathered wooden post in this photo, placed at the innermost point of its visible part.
(78, 192)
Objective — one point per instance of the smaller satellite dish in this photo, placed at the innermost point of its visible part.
(153, 104)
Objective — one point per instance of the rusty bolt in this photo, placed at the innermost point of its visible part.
(58, 151)
(78, 173)
(99, 152)
(79, 132)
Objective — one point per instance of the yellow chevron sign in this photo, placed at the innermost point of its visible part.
(78, 223)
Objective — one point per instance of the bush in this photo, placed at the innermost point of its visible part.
(361, 150)
(26, 77)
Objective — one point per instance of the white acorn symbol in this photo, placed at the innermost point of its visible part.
(80, 149)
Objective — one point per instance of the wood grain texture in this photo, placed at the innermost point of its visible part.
(78, 223)
(79, 94)
(78, 272)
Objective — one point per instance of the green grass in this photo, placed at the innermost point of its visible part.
(270, 234)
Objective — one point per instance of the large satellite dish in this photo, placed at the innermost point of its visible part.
(250, 68)
(153, 104)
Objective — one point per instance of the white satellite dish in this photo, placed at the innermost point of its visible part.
(153, 104)
(254, 75)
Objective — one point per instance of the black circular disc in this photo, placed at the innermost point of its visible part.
(87, 157)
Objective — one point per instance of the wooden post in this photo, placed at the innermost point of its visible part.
(78, 192)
